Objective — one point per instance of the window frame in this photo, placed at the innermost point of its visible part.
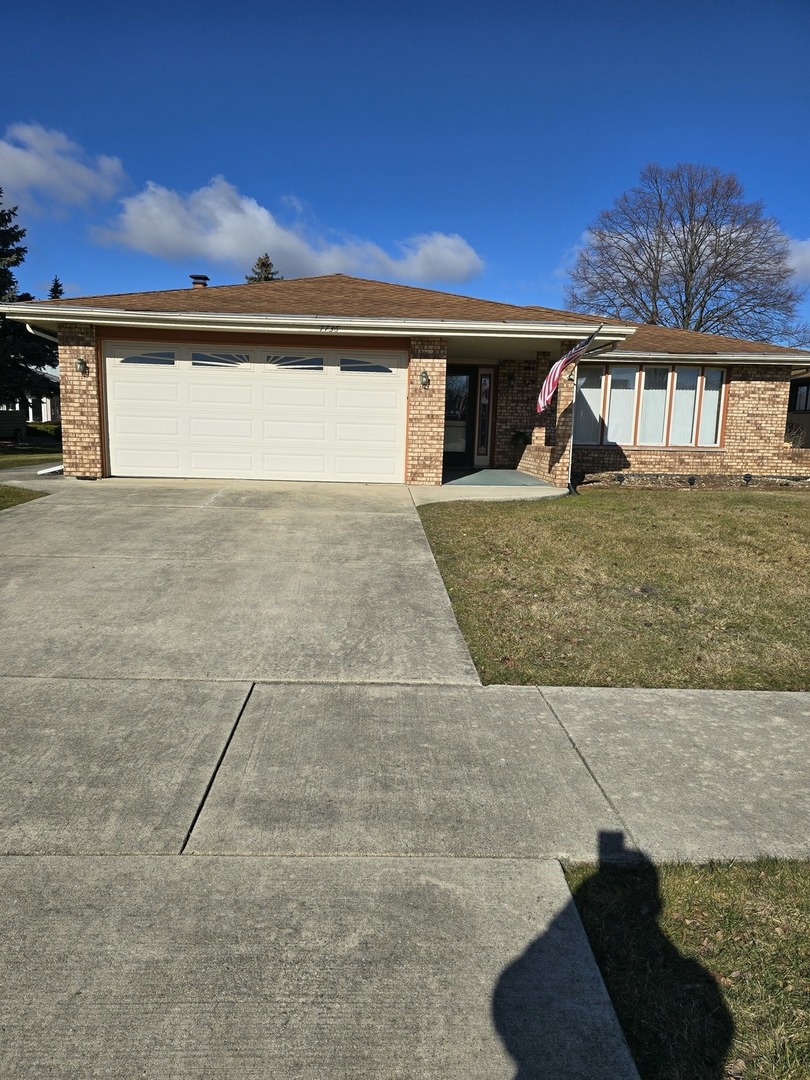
(799, 388)
(638, 394)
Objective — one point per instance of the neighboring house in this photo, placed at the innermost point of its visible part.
(344, 379)
(15, 415)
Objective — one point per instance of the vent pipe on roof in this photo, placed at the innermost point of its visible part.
(199, 281)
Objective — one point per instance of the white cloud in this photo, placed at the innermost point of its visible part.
(293, 203)
(218, 223)
(569, 256)
(46, 166)
(800, 258)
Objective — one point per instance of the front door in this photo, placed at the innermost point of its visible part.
(459, 415)
(468, 416)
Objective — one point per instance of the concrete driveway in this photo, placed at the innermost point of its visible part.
(207, 580)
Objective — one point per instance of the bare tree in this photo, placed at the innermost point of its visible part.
(685, 249)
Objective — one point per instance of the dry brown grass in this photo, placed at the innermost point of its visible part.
(697, 589)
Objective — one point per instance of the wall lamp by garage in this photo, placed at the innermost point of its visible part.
(424, 380)
(81, 366)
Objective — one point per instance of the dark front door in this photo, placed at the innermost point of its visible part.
(459, 415)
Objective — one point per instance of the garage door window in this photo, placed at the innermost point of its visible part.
(226, 360)
(149, 358)
(295, 363)
(358, 366)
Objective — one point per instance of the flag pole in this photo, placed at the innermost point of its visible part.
(571, 486)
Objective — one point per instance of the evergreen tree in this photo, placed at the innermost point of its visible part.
(22, 355)
(263, 270)
(57, 289)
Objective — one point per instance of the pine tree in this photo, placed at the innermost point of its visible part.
(12, 251)
(57, 289)
(263, 270)
(22, 355)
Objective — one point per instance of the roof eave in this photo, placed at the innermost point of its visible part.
(786, 358)
(294, 324)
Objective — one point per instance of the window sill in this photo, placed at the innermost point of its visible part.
(651, 449)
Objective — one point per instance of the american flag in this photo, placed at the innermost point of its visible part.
(549, 387)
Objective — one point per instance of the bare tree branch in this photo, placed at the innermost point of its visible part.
(685, 249)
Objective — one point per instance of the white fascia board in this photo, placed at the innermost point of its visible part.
(702, 358)
(296, 324)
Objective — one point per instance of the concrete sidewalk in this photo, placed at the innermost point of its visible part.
(243, 837)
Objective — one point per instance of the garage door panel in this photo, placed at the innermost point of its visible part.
(383, 435)
(214, 393)
(206, 427)
(295, 397)
(218, 422)
(290, 431)
(147, 391)
(361, 398)
(296, 465)
(147, 425)
(221, 463)
(131, 458)
(361, 468)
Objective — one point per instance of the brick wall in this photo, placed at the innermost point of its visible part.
(425, 440)
(82, 436)
(546, 456)
(753, 439)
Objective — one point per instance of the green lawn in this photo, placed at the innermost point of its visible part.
(697, 589)
(11, 496)
(15, 457)
(718, 983)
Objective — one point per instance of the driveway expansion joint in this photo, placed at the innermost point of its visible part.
(591, 773)
(216, 768)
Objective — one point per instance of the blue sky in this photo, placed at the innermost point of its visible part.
(460, 146)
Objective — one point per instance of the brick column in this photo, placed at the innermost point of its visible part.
(563, 422)
(82, 429)
(548, 453)
(423, 460)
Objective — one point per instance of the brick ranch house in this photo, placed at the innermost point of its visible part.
(343, 379)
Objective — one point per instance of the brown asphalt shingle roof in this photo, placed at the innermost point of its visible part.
(662, 339)
(334, 294)
(344, 296)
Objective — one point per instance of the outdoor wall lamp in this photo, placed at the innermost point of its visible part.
(424, 380)
(81, 366)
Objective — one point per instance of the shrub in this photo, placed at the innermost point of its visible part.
(45, 430)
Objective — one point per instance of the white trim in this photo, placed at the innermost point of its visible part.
(297, 324)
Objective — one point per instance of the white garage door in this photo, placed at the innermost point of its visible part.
(256, 413)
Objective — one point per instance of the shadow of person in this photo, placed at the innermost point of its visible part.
(555, 1021)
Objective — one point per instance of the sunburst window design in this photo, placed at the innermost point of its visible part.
(149, 358)
(296, 363)
(226, 360)
(354, 364)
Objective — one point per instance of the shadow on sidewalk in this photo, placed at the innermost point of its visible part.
(671, 1009)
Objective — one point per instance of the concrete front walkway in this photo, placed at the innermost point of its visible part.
(259, 818)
